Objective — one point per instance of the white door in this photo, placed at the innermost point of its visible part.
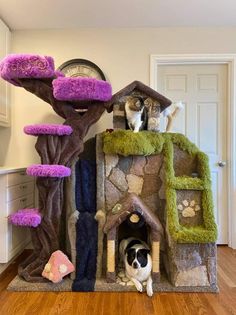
(203, 91)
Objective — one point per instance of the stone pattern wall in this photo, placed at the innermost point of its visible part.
(192, 264)
(137, 174)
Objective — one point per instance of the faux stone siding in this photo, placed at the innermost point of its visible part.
(191, 264)
(189, 207)
(138, 174)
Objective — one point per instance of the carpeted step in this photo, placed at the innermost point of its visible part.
(44, 170)
(18, 66)
(26, 217)
(79, 88)
(48, 129)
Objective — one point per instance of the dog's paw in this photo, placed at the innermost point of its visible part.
(149, 291)
(139, 287)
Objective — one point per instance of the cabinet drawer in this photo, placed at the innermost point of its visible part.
(18, 178)
(18, 191)
(20, 203)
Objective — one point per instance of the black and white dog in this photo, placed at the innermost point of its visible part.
(138, 263)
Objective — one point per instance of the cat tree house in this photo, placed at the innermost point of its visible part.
(151, 185)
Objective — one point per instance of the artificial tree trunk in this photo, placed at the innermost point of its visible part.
(63, 150)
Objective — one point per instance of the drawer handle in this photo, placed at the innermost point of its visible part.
(23, 186)
(23, 200)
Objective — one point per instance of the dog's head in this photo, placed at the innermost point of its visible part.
(137, 257)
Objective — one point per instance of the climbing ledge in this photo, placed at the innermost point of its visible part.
(125, 142)
(46, 129)
(26, 66)
(48, 170)
(77, 89)
(26, 217)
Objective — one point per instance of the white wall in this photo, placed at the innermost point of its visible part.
(123, 55)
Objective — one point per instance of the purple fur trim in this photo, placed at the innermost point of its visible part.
(58, 73)
(48, 129)
(26, 66)
(44, 170)
(26, 217)
(77, 89)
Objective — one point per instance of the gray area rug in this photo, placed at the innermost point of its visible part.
(18, 284)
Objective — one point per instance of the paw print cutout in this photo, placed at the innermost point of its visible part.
(188, 209)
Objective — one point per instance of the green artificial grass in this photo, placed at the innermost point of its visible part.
(125, 142)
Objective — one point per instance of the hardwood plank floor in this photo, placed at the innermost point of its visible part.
(114, 303)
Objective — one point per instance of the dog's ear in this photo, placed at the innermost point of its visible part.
(144, 251)
(129, 250)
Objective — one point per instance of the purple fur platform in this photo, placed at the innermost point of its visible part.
(26, 217)
(26, 66)
(77, 89)
(58, 74)
(44, 170)
(48, 129)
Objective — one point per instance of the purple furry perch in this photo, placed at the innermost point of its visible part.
(26, 66)
(48, 129)
(58, 74)
(77, 89)
(26, 217)
(44, 170)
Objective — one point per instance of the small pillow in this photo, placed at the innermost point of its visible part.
(57, 267)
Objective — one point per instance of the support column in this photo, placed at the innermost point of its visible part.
(156, 260)
(111, 248)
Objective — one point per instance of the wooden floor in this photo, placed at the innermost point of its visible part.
(69, 303)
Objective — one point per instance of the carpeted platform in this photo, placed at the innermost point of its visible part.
(17, 284)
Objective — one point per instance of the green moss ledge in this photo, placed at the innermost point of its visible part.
(125, 142)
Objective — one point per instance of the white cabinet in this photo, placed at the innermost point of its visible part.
(17, 191)
(4, 86)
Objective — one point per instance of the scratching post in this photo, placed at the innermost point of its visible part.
(156, 260)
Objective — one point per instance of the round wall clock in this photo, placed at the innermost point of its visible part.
(81, 68)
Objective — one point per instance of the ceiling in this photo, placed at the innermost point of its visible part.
(67, 14)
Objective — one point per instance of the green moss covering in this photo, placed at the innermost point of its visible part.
(203, 168)
(186, 182)
(125, 142)
(182, 142)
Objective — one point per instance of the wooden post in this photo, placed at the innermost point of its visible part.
(156, 260)
(111, 247)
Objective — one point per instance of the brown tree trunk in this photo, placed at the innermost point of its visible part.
(49, 236)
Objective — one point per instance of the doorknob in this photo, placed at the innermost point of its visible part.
(221, 163)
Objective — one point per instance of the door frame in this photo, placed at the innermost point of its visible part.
(207, 59)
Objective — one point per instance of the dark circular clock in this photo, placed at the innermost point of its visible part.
(81, 68)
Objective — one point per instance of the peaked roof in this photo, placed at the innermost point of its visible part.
(129, 204)
(137, 85)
